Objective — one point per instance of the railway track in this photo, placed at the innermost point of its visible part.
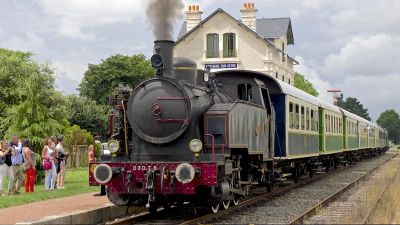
(313, 210)
(379, 200)
(185, 214)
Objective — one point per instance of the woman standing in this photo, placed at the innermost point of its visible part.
(5, 167)
(61, 156)
(29, 166)
(92, 154)
(48, 153)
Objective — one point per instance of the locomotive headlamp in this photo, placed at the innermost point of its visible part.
(102, 173)
(195, 145)
(113, 146)
(157, 61)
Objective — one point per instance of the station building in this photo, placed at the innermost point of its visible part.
(222, 42)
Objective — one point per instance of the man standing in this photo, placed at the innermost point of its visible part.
(16, 160)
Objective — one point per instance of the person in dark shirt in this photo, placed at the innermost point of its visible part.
(5, 167)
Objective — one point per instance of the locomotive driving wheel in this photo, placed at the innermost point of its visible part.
(226, 204)
(214, 205)
(235, 199)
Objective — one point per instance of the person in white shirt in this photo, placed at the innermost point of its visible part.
(62, 155)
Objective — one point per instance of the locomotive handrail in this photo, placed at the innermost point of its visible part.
(212, 145)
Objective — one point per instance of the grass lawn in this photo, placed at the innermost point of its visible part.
(76, 182)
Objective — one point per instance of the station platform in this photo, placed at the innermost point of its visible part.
(78, 209)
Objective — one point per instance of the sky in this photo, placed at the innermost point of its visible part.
(340, 44)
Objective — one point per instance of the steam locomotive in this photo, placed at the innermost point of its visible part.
(214, 138)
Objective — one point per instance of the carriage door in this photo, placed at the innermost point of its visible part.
(270, 120)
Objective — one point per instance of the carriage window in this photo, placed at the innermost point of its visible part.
(307, 118)
(296, 117)
(326, 123)
(291, 115)
(312, 120)
(244, 92)
(334, 125)
(303, 123)
(316, 120)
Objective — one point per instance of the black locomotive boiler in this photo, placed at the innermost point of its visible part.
(212, 138)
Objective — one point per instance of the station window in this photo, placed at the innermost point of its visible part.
(303, 123)
(291, 115)
(296, 116)
(212, 46)
(307, 118)
(229, 45)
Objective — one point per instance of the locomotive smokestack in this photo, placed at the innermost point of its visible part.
(162, 15)
(165, 49)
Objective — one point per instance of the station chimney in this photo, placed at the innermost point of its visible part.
(193, 17)
(249, 15)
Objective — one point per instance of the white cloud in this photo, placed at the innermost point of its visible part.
(78, 16)
(372, 55)
(312, 75)
(364, 17)
(376, 93)
(72, 70)
(28, 42)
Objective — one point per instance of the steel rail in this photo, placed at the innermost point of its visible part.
(260, 198)
(313, 210)
(380, 198)
(263, 197)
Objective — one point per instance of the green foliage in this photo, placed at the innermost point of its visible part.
(302, 83)
(74, 135)
(88, 115)
(14, 66)
(390, 120)
(100, 80)
(38, 114)
(353, 105)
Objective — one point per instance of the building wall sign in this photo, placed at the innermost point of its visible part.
(221, 66)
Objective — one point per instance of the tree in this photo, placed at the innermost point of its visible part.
(302, 83)
(88, 115)
(390, 120)
(100, 80)
(39, 114)
(14, 66)
(353, 105)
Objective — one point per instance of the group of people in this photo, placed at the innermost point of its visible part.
(17, 157)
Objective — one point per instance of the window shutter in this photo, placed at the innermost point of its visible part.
(226, 36)
(233, 52)
(209, 45)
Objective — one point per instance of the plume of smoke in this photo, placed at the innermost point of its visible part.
(162, 15)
